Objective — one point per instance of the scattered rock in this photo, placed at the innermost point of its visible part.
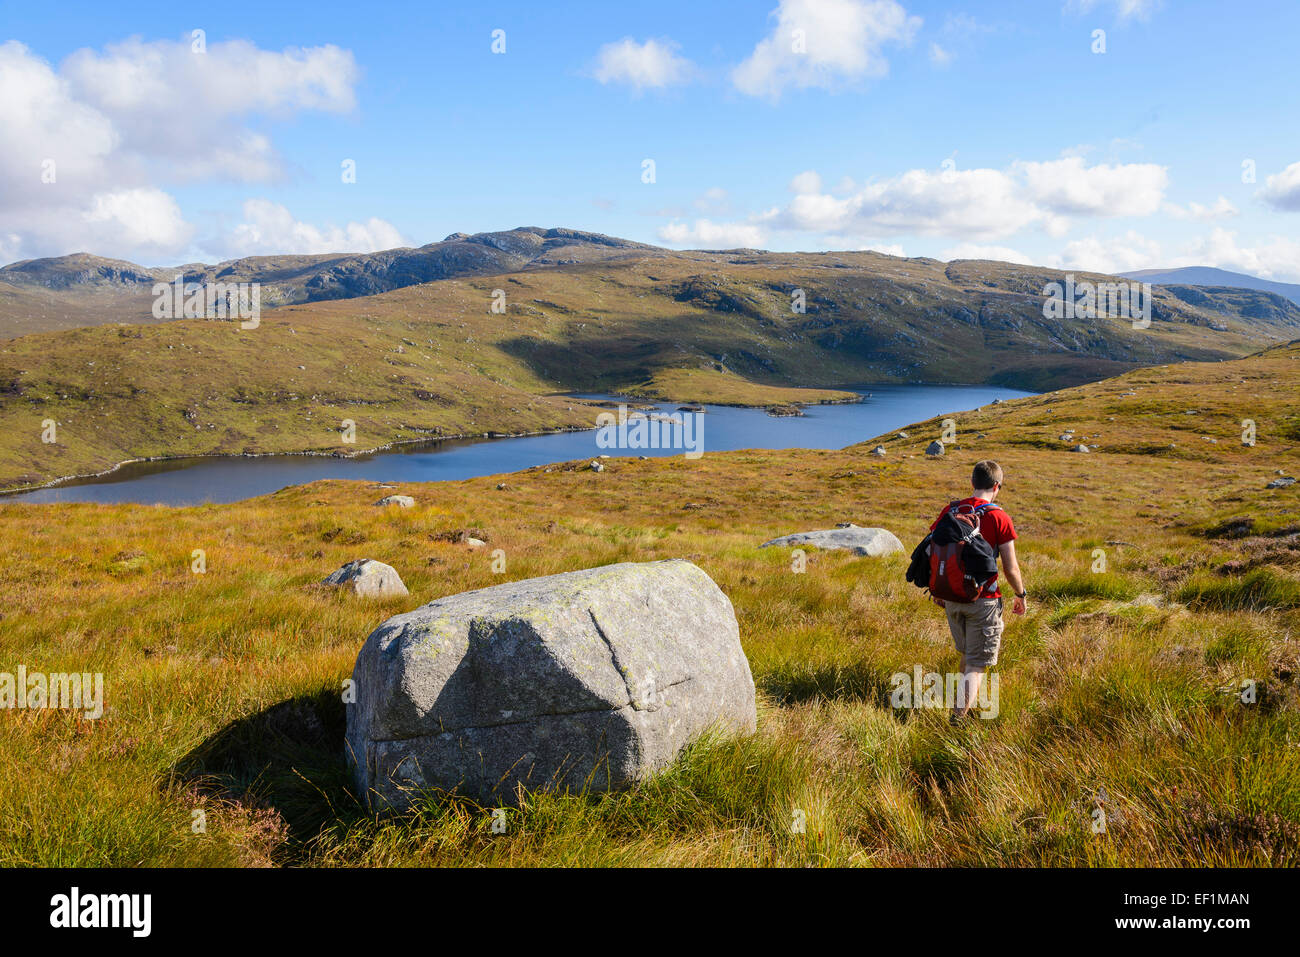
(872, 542)
(1281, 482)
(597, 467)
(597, 677)
(879, 450)
(405, 501)
(1081, 448)
(903, 435)
(368, 579)
(475, 542)
(934, 448)
(501, 486)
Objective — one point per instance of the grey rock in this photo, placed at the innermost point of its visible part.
(368, 579)
(1281, 482)
(405, 501)
(1081, 448)
(872, 542)
(879, 451)
(934, 448)
(474, 542)
(592, 678)
(597, 467)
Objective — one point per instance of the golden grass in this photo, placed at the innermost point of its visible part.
(1120, 691)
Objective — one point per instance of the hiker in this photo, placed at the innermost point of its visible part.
(976, 623)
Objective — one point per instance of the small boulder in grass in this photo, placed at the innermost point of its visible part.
(934, 448)
(368, 578)
(871, 542)
(1281, 482)
(878, 451)
(403, 501)
(1081, 448)
(597, 466)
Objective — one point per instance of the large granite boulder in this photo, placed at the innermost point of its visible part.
(368, 578)
(872, 542)
(590, 678)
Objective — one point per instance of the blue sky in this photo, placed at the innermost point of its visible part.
(918, 128)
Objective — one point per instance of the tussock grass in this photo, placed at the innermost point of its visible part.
(1257, 589)
(1119, 692)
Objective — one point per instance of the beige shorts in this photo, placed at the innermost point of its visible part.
(976, 630)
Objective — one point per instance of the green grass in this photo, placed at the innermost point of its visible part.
(1260, 588)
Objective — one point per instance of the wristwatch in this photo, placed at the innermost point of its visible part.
(1022, 595)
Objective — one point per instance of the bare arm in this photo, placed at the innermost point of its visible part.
(1011, 566)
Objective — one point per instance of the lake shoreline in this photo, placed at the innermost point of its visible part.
(217, 476)
(89, 477)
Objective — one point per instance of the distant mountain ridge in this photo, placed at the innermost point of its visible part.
(120, 287)
(458, 358)
(1210, 276)
(81, 290)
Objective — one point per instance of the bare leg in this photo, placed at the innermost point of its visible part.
(972, 679)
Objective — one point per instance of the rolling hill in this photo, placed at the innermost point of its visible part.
(434, 360)
(116, 291)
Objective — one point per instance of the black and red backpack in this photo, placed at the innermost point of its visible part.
(955, 562)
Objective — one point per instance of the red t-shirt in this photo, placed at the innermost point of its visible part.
(995, 526)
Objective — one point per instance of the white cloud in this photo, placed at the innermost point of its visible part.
(113, 127)
(653, 64)
(977, 204)
(939, 56)
(145, 219)
(1282, 191)
(1221, 209)
(823, 43)
(1277, 257)
(1069, 186)
(1109, 255)
(705, 234)
(269, 228)
(977, 251)
(172, 105)
(806, 182)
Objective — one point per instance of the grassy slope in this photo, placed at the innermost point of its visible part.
(223, 688)
(432, 360)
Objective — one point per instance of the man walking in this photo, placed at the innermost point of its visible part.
(977, 625)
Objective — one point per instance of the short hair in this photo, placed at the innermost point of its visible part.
(986, 475)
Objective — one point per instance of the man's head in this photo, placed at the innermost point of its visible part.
(986, 479)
